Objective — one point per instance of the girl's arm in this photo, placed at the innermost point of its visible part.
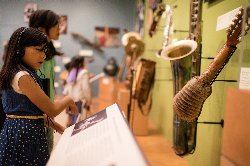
(85, 88)
(49, 122)
(33, 91)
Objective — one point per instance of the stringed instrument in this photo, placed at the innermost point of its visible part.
(188, 102)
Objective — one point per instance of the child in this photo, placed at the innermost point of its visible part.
(23, 139)
(64, 74)
(78, 87)
(2, 114)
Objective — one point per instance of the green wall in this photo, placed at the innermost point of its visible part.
(209, 137)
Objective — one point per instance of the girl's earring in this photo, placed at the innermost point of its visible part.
(20, 52)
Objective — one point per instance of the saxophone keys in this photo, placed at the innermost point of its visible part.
(195, 4)
(194, 19)
(195, 11)
(193, 25)
(192, 36)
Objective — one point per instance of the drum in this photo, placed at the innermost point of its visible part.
(144, 79)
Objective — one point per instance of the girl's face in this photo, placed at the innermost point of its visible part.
(34, 56)
(54, 32)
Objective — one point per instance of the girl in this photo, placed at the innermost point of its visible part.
(23, 139)
(48, 22)
(78, 87)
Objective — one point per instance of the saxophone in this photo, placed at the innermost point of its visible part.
(156, 19)
(184, 56)
(164, 9)
(195, 34)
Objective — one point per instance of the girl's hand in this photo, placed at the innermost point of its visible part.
(73, 109)
(51, 123)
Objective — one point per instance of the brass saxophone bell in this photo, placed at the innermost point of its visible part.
(179, 49)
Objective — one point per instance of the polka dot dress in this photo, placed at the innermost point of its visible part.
(22, 141)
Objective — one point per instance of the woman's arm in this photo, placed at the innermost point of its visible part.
(33, 91)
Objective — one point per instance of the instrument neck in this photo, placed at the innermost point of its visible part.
(218, 63)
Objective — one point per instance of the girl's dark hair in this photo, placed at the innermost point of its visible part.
(68, 66)
(45, 19)
(21, 38)
(78, 63)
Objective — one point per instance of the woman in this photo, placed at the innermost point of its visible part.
(48, 22)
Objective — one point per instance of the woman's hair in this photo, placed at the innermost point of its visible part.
(21, 38)
(45, 19)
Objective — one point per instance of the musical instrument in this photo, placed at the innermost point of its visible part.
(144, 80)
(167, 29)
(134, 47)
(156, 18)
(189, 101)
(126, 36)
(180, 56)
(195, 34)
(85, 41)
(164, 9)
(184, 133)
(185, 58)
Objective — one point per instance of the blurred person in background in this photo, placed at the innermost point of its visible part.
(78, 87)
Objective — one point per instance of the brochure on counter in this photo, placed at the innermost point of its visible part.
(104, 139)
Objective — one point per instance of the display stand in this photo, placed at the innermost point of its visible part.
(236, 135)
(138, 122)
(107, 92)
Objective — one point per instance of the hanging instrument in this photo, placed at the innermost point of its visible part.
(142, 86)
(167, 28)
(129, 41)
(189, 101)
(179, 54)
(195, 34)
(156, 18)
(184, 56)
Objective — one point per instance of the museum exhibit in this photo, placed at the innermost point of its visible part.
(152, 82)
